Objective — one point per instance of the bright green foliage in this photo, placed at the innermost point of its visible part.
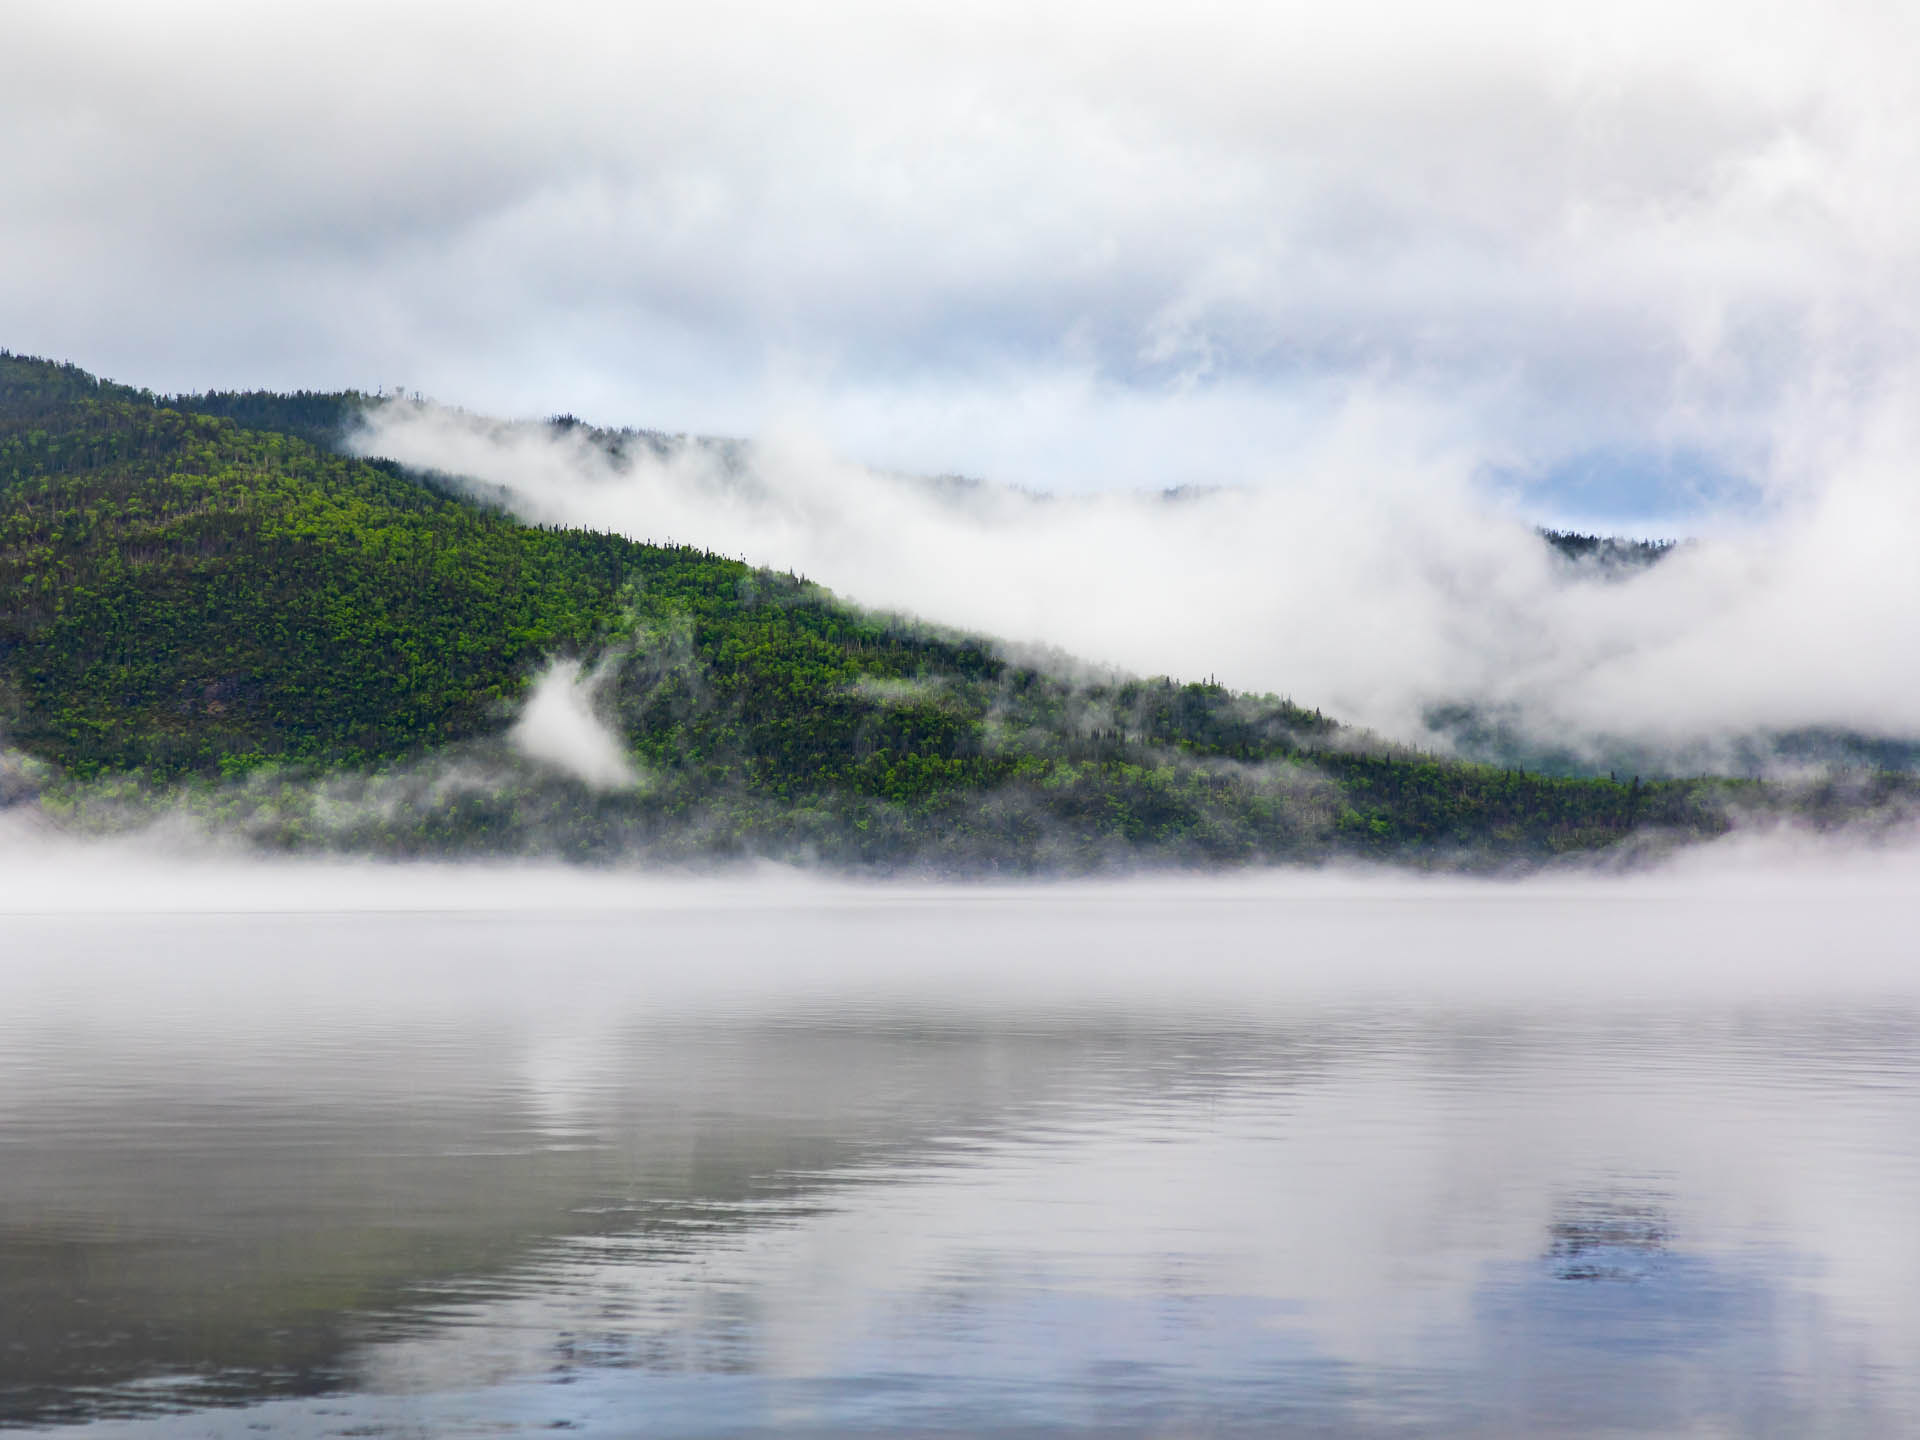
(179, 592)
(186, 600)
(321, 418)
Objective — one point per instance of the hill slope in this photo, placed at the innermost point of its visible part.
(183, 599)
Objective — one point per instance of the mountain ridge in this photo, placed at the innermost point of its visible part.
(305, 647)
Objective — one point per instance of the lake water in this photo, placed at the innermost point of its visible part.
(502, 1154)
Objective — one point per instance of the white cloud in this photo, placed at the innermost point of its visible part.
(980, 238)
(1374, 579)
(557, 727)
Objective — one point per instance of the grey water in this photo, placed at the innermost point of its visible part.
(1318, 1158)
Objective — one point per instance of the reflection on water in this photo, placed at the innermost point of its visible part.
(1352, 1164)
(1612, 1237)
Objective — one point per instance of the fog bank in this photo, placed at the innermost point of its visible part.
(171, 868)
(1377, 575)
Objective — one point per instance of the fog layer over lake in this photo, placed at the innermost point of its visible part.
(322, 1149)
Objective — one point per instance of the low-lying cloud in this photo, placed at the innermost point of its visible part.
(1374, 578)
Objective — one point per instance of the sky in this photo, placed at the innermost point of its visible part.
(1621, 259)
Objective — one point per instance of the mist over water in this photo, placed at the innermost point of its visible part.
(455, 1149)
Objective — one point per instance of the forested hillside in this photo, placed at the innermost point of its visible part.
(1607, 553)
(324, 651)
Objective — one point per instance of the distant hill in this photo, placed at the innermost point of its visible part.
(203, 605)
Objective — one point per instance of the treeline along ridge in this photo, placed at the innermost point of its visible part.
(205, 602)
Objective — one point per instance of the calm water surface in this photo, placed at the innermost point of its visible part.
(1160, 1160)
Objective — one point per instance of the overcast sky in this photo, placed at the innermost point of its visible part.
(1066, 246)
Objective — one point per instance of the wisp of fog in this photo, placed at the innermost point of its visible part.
(557, 727)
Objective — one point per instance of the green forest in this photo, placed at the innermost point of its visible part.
(206, 607)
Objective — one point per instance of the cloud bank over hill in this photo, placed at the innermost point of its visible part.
(1070, 246)
(1377, 583)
